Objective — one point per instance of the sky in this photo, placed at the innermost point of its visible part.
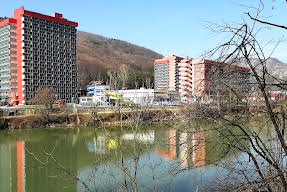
(165, 26)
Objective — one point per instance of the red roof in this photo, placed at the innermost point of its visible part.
(6, 21)
(205, 61)
(50, 18)
(57, 16)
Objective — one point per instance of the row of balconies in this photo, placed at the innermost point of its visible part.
(54, 49)
(28, 18)
(64, 71)
(29, 89)
(49, 39)
(46, 24)
(67, 96)
(42, 54)
(47, 59)
(51, 82)
(160, 79)
(49, 32)
(160, 70)
(50, 54)
(45, 76)
(49, 35)
(4, 60)
(162, 73)
(55, 66)
(27, 25)
(50, 76)
(160, 86)
(4, 35)
(59, 92)
(48, 45)
(5, 45)
(51, 42)
(4, 29)
(5, 41)
(160, 67)
(50, 48)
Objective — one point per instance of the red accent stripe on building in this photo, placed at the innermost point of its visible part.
(50, 18)
(18, 14)
(20, 163)
(161, 61)
(7, 21)
(180, 58)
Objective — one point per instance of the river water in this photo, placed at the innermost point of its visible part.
(157, 158)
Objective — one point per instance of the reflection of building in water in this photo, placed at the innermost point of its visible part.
(20, 166)
(5, 168)
(143, 137)
(171, 153)
(198, 151)
(183, 150)
(188, 148)
(99, 144)
(8, 154)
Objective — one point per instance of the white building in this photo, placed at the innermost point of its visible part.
(140, 96)
(99, 97)
(86, 101)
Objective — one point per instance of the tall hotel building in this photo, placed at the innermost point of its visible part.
(197, 78)
(37, 50)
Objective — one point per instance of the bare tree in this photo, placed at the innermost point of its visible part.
(265, 169)
(44, 96)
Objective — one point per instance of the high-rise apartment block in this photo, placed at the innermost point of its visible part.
(36, 51)
(210, 78)
(166, 72)
(194, 78)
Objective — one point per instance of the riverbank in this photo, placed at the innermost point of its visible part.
(90, 117)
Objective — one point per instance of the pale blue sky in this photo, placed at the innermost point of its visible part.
(165, 26)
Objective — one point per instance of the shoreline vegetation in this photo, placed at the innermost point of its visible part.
(67, 117)
(43, 118)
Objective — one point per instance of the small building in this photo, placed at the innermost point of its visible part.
(99, 96)
(140, 96)
(95, 96)
(86, 101)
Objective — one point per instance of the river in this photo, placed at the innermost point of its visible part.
(156, 158)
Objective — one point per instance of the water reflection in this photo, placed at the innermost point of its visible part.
(105, 159)
(142, 137)
(12, 162)
(187, 147)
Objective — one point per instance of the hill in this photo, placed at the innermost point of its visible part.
(97, 54)
(275, 67)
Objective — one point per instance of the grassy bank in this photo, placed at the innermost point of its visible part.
(60, 118)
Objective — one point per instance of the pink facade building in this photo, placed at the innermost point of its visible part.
(197, 78)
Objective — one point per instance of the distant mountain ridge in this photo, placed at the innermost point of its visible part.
(97, 54)
(275, 67)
